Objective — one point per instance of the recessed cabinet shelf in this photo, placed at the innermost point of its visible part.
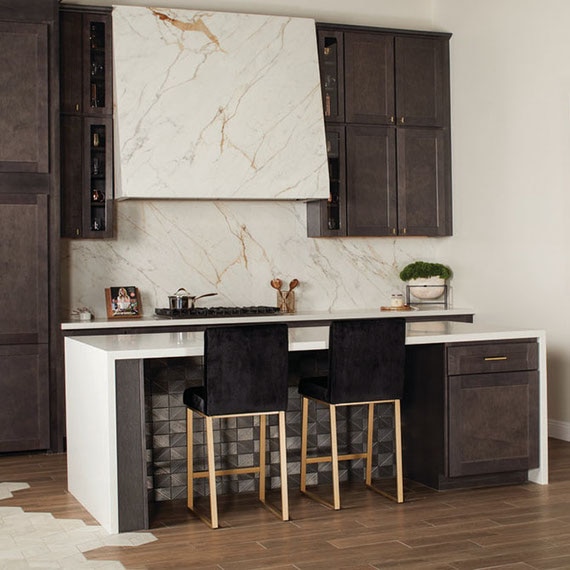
(86, 123)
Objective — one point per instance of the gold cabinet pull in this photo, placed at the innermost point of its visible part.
(405, 231)
(394, 231)
(496, 358)
(392, 119)
(402, 120)
(77, 107)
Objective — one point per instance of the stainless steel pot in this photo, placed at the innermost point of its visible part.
(183, 300)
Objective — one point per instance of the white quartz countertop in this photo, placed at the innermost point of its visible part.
(299, 317)
(177, 344)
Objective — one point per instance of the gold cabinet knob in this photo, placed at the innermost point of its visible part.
(402, 120)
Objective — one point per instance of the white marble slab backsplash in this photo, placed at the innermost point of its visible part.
(234, 249)
(216, 105)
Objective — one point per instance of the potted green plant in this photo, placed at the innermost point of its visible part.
(426, 280)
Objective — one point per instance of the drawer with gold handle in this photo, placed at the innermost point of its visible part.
(482, 358)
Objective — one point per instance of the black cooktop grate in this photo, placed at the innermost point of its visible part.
(205, 312)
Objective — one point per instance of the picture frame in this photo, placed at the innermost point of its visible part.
(123, 302)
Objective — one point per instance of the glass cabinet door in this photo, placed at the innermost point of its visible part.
(97, 64)
(97, 210)
(330, 64)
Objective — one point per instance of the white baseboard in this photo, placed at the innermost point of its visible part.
(559, 430)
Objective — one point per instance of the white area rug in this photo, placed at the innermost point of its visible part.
(38, 540)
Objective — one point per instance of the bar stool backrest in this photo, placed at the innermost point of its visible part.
(246, 369)
(366, 360)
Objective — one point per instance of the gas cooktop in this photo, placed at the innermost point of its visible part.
(205, 312)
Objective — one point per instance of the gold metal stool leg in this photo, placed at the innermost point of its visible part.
(304, 430)
(334, 458)
(283, 465)
(262, 453)
(212, 473)
(190, 456)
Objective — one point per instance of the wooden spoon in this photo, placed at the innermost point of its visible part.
(293, 283)
(277, 284)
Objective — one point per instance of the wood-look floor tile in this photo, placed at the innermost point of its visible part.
(508, 528)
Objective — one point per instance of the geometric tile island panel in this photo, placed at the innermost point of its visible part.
(237, 442)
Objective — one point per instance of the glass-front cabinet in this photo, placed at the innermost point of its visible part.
(97, 220)
(331, 69)
(328, 217)
(86, 122)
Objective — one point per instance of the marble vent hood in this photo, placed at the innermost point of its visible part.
(218, 106)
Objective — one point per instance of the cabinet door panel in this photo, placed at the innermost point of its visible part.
(24, 406)
(422, 182)
(331, 66)
(328, 217)
(72, 187)
(493, 423)
(371, 181)
(24, 145)
(24, 269)
(369, 78)
(71, 62)
(420, 80)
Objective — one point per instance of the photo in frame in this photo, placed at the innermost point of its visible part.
(123, 302)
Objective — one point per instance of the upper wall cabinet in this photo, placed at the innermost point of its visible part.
(86, 63)
(86, 123)
(389, 92)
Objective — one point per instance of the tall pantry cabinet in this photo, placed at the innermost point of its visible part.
(29, 223)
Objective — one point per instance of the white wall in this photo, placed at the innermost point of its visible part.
(510, 80)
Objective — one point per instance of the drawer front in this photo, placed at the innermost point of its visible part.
(492, 357)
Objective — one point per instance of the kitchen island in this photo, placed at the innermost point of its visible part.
(105, 386)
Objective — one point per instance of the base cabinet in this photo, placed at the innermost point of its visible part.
(470, 413)
(25, 403)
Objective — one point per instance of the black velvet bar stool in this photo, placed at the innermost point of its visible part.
(366, 366)
(245, 374)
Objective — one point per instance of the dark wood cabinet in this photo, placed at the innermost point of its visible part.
(24, 145)
(471, 413)
(372, 206)
(369, 78)
(32, 398)
(86, 61)
(331, 67)
(86, 123)
(24, 306)
(329, 216)
(25, 403)
(395, 89)
(424, 200)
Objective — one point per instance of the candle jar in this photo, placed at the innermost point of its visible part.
(397, 301)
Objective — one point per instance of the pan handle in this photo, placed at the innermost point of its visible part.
(205, 295)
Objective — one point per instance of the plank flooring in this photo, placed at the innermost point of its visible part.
(509, 528)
